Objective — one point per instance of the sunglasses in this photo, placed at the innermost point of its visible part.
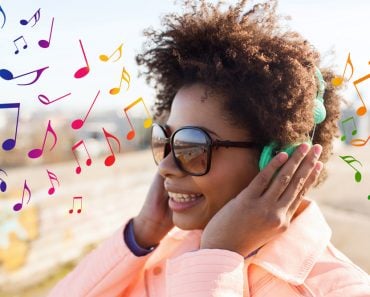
(191, 147)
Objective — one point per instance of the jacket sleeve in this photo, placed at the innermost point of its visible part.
(205, 273)
(107, 271)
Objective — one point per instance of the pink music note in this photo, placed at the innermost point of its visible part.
(147, 122)
(46, 43)
(9, 143)
(45, 100)
(362, 109)
(354, 130)
(105, 58)
(83, 71)
(7, 75)
(36, 17)
(36, 153)
(3, 183)
(359, 141)
(125, 76)
(338, 80)
(52, 177)
(78, 198)
(4, 16)
(109, 161)
(88, 160)
(15, 43)
(18, 206)
(78, 123)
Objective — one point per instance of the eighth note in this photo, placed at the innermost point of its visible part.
(359, 141)
(3, 183)
(45, 100)
(7, 75)
(109, 161)
(15, 43)
(18, 206)
(78, 123)
(105, 58)
(78, 198)
(36, 153)
(338, 80)
(349, 160)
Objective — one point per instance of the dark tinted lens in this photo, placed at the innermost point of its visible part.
(158, 143)
(191, 150)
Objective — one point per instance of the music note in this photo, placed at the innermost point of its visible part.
(88, 160)
(46, 43)
(9, 143)
(78, 123)
(52, 177)
(15, 43)
(338, 80)
(105, 58)
(349, 160)
(125, 76)
(147, 123)
(360, 142)
(354, 130)
(45, 100)
(36, 153)
(362, 109)
(18, 206)
(109, 161)
(7, 75)
(79, 198)
(36, 17)
(4, 16)
(3, 183)
(83, 71)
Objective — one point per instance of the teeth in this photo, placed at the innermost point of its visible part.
(180, 197)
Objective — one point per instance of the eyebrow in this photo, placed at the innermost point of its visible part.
(204, 128)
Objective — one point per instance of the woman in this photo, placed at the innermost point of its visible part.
(233, 89)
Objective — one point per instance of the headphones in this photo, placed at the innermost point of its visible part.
(319, 114)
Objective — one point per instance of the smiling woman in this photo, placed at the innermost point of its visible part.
(249, 122)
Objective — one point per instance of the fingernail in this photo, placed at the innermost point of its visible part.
(317, 150)
(283, 157)
(318, 166)
(304, 147)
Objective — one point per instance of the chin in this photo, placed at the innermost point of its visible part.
(186, 222)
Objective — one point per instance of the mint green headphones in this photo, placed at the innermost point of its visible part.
(319, 114)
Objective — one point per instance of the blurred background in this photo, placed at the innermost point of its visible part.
(43, 241)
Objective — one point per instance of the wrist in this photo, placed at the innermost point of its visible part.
(145, 233)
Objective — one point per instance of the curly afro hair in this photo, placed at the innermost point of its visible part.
(265, 72)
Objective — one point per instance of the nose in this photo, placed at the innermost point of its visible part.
(168, 168)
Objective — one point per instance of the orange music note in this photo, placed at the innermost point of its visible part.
(78, 123)
(360, 142)
(36, 153)
(88, 160)
(147, 122)
(83, 71)
(338, 80)
(354, 130)
(3, 185)
(18, 206)
(7, 75)
(36, 17)
(45, 100)
(9, 143)
(349, 160)
(46, 43)
(105, 58)
(15, 43)
(109, 161)
(125, 76)
(52, 177)
(362, 109)
(79, 198)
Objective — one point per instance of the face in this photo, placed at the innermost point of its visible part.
(232, 168)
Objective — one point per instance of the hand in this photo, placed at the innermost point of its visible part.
(155, 218)
(264, 209)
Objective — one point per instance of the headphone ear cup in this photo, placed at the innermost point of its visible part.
(319, 111)
(267, 155)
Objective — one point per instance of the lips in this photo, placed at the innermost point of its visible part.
(180, 201)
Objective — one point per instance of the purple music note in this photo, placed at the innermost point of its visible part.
(46, 43)
(7, 75)
(52, 176)
(3, 183)
(45, 100)
(36, 153)
(9, 143)
(18, 206)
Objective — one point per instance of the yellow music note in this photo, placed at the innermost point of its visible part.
(338, 80)
(125, 76)
(147, 122)
(105, 58)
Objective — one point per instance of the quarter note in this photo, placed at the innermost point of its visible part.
(9, 143)
(36, 153)
(15, 43)
(88, 160)
(338, 80)
(79, 199)
(18, 206)
(52, 177)
(125, 76)
(349, 160)
(354, 130)
(362, 109)
(147, 123)
(46, 43)
(109, 161)
(45, 100)
(4, 16)
(7, 75)
(105, 58)
(83, 71)
(360, 142)
(2, 182)
(78, 123)
(36, 17)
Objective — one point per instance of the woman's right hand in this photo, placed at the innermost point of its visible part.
(155, 218)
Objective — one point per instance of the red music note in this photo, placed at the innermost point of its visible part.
(36, 153)
(105, 58)
(78, 123)
(52, 177)
(338, 80)
(79, 198)
(83, 71)
(125, 76)
(359, 141)
(362, 109)
(9, 143)
(3, 183)
(147, 123)
(46, 43)
(18, 206)
(7, 75)
(109, 161)
(349, 160)
(45, 100)
(354, 130)
(88, 160)
(36, 17)
(15, 43)
(4, 16)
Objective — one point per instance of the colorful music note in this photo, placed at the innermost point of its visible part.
(105, 58)
(125, 76)
(147, 123)
(18, 206)
(83, 71)
(46, 43)
(36, 153)
(52, 177)
(78, 123)
(3, 183)
(36, 17)
(338, 80)
(109, 161)
(45, 100)
(354, 130)
(360, 142)
(79, 198)
(4, 16)
(349, 160)
(362, 109)
(7, 75)
(15, 43)
(88, 160)
(9, 143)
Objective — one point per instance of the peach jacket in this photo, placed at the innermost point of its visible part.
(299, 262)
